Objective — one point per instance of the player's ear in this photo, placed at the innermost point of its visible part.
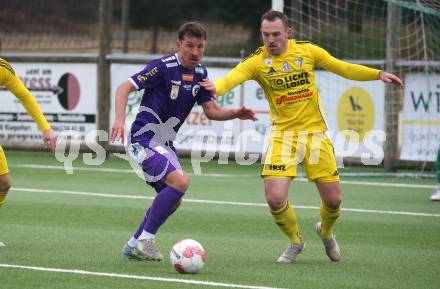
(290, 31)
(178, 44)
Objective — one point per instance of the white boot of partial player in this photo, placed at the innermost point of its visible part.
(436, 195)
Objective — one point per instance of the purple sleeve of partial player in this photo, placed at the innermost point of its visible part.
(149, 77)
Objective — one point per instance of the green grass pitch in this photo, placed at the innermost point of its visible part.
(81, 221)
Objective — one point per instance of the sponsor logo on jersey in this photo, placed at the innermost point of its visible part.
(187, 77)
(286, 99)
(195, 90)
(187, 86)
(176, 82)
(147, 75)
(272, 167)
(290, 81)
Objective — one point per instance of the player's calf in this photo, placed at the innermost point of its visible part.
(5, 185)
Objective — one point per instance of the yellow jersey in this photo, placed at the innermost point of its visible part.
(288, 81)
(11, 82)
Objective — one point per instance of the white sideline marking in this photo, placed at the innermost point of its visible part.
(301, 179)
(103, 195)
(138, 277)
(395, 185)
(107, 170)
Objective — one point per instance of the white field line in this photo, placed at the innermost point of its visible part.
(137, 277)
(124, 171)
(128, 171)
(104, 195)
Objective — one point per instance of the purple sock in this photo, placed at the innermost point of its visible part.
(144, 221)
(142, 225)
(163, 206)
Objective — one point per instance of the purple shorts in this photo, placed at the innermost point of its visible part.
(156, 160)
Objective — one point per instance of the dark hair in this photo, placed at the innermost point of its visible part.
(191, 29)
(272, 15)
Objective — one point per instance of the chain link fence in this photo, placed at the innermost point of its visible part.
(146, 27)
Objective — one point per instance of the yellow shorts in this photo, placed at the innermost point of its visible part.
(3, 163)
(314, 150)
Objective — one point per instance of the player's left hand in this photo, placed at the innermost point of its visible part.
(209, 86)
(50, 139)
(246, 113)
(390, 78)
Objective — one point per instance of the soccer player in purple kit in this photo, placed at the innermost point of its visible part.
(171, 88)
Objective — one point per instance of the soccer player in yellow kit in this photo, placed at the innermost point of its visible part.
(11, 82)
(284, 68)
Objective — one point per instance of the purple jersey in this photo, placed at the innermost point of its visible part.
(170, 92)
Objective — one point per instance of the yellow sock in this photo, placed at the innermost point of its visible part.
(328, 219)
(286, 221)
(3, 198)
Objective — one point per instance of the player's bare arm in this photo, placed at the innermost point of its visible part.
(214, 112)
(122, 93)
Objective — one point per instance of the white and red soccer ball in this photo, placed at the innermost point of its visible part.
(187, 256)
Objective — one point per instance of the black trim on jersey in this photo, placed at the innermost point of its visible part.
(302, 41)
(6, 65)
(256, 52)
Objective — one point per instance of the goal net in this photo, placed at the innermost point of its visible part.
(402, 37)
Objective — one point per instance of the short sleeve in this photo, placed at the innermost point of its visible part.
(203, 95)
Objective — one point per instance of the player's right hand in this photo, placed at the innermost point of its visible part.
(118, 131)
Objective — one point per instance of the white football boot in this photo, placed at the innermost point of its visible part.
(331, 246)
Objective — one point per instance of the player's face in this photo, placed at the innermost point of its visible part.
(275, 36)
(190, 50)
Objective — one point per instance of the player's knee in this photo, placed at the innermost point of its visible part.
(178, 180)
(334, 202)
(275, 203)
(5, 185)
(181, 183)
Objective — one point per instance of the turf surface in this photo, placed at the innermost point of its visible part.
(53, 220)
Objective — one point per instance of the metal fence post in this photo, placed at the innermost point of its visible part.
(103, 102)
(392, 98)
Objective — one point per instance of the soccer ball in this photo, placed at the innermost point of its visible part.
(187, 256)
